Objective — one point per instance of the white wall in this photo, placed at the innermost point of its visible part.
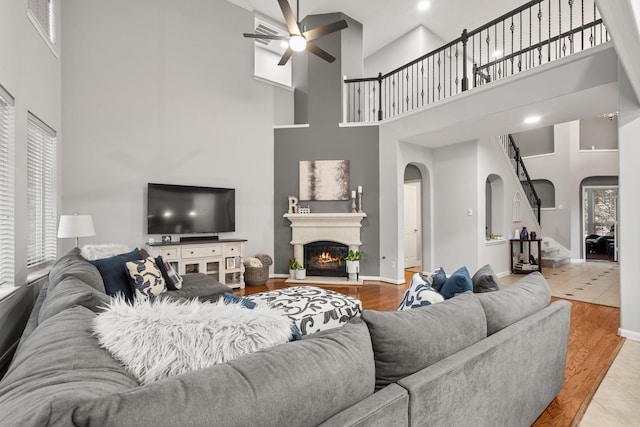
(492, 160)
(163, 91)
(566, 169)
(31, 72)
(410, 46)
(629, 206)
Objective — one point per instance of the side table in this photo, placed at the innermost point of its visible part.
(522, 264)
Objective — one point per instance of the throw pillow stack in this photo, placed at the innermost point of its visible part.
(437, 287)
(136, 276)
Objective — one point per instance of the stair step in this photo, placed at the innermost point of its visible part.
(551, 262)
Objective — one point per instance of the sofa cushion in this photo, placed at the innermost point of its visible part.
(68, 293)
(60, 359)
(73, 265)
(459, 282)
(200, 286)
(114, 273)
(419, 293)
(301, 383)
(146, 279)
(156, 340)
(485, 280)
(407, 341)
(515, 302)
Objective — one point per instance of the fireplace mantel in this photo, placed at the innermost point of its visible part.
(337, 227)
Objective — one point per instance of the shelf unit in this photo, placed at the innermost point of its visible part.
(221, 260)
(520, 258)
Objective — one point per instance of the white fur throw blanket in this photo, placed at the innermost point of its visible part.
(103, 250)
(164, 338)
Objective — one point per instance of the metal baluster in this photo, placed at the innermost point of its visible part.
(512, 28)
(422, 81)
(520, 52)
(549, 45)
(539, 33)
(582, 30)
(571, 49)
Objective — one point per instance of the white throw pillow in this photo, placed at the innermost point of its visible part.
(156, 340)
(419, 293)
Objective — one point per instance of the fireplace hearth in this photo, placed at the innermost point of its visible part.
(325, 258)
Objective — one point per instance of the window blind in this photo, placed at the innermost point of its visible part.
(42, 11)
(6, 187)
(41, 192)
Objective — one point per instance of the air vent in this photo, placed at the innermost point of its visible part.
(263, 29)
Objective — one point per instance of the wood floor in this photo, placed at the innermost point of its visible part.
(593, 344)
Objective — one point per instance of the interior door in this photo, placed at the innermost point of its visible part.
(412, 226)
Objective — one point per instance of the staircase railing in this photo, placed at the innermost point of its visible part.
(538, 32)
(512, 150)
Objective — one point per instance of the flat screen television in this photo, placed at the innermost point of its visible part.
(183, 209)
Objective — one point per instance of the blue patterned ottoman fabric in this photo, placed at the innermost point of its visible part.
(312, 309)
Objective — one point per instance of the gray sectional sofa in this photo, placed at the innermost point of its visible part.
(493, 359)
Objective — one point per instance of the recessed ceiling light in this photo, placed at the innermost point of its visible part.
(423, 5)
(285, 44)
(497, 54)
(532, 119)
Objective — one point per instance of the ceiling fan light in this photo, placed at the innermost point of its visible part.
(297, 43)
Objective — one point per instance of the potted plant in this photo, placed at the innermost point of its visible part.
(293, 266)
(353, 264)
(301, 272)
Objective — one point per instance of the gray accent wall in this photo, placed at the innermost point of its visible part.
(359, 145)
(599, 133)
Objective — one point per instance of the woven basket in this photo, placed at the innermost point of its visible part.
(254, 276)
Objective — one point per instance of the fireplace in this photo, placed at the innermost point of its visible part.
(325, 258)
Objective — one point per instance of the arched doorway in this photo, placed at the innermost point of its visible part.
(415, 214)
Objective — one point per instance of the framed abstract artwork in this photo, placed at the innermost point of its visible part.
(324, 180)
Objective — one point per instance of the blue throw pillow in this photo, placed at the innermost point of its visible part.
(438, 277)
(459, 282)
(230, 298)
(115, 275)
(419, 294)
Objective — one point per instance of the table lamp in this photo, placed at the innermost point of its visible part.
(75, 226)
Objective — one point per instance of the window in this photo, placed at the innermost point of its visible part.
(41, 193)
(267, 53)
(6, 187)
(42, 16)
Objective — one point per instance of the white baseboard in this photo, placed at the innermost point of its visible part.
(370, 278)
(632, 335)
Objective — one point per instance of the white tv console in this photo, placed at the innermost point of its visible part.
(222, 259)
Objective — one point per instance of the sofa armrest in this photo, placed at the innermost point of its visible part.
(387, 407)
(506, 379)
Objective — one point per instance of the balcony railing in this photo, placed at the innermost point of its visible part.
(539, 32)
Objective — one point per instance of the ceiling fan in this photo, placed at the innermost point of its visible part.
(301, 40)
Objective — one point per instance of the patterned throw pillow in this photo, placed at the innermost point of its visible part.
(171, 278)
(419, 293)
(146, 279)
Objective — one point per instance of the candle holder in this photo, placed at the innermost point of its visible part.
(360, 202)
(353, 205)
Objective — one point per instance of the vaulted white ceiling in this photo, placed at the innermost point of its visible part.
(384, 20)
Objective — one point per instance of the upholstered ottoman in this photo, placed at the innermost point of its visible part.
(312, 309)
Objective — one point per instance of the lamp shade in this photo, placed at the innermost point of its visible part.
(76, 226)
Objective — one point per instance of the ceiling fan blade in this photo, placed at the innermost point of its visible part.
(285, 57)
(323, 30)
(311, 47)
(265, 36)
(289, 17)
